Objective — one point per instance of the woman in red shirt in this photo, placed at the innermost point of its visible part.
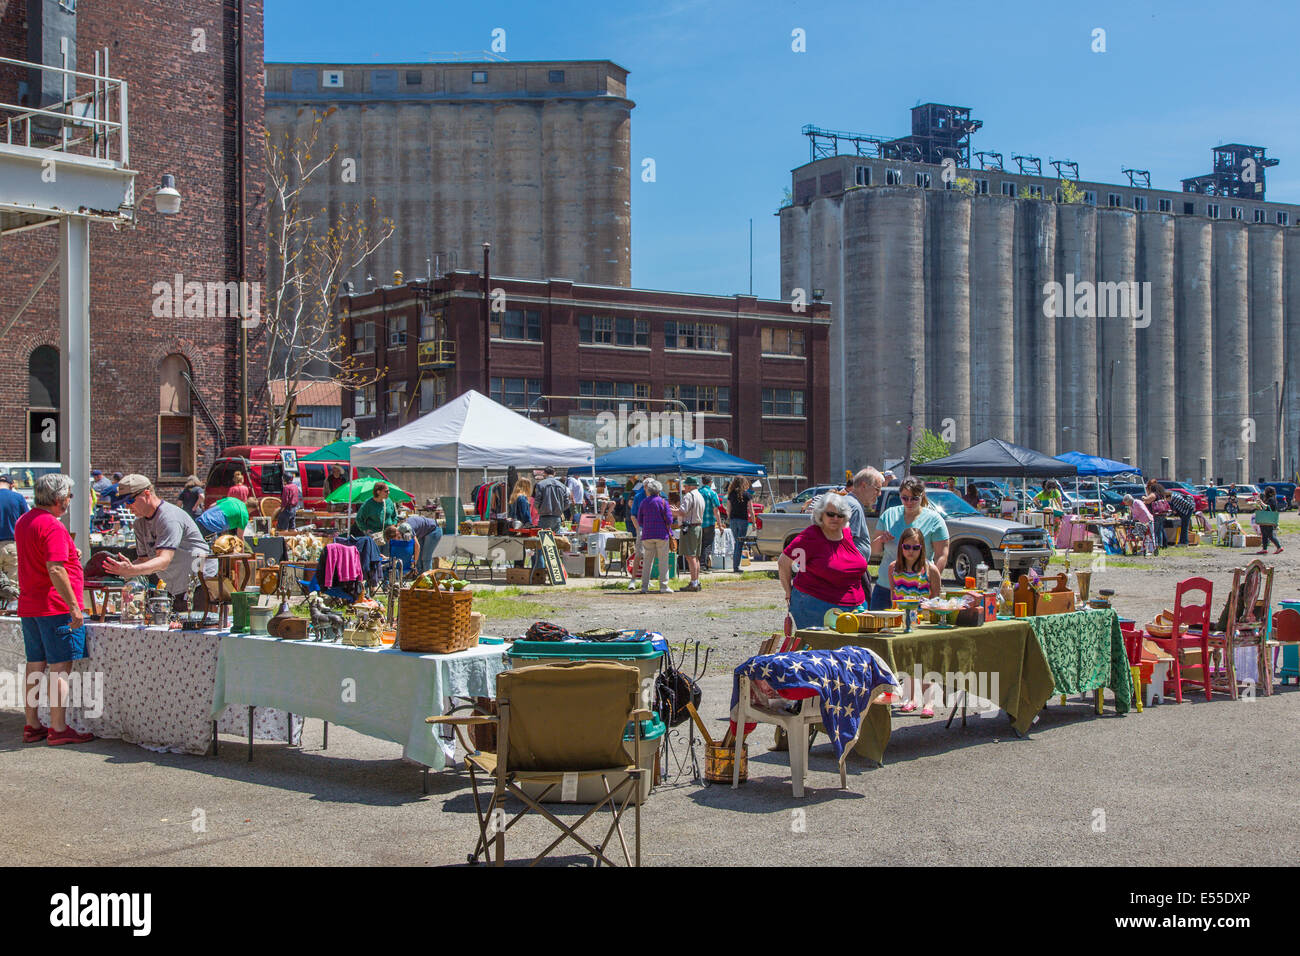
(822, 567)
(238, 489)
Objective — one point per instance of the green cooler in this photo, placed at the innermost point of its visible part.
(643, 654)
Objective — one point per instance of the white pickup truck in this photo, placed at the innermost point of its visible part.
(972, 537)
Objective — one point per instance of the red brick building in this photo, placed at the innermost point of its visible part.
(196, 100)
(755, 370)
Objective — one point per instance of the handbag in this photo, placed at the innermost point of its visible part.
(543, 631)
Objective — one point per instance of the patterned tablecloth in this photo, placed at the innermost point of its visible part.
(1085, 651)
(147, 685)
(376, 691)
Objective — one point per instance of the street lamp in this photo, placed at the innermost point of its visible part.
(166, 198)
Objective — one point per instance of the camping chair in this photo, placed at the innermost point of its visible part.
(401, 558)
(557, 725)
(1245, 627)
(1190, 629)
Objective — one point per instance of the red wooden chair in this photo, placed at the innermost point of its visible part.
(1191, 628)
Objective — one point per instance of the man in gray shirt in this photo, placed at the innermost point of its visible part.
(167, 540)
(552, 499)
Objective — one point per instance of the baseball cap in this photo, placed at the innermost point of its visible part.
(133, 485)
(117, 476)
(9, 479)
(96, 473)
(691, 480)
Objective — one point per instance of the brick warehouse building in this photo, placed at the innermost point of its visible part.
(757, 370)
(186, 95)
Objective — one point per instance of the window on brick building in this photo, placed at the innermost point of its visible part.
(43, 404)
(782, 341)
(709, 399)
(607, 396)
(783, 401)
(608, 330)
(516, 392)
(520, 324)
(175, 419)
(396, 331)
(432, 326)
(786, 462)
(363, 401)
(363, 337)
(704, 336)
(433, 393)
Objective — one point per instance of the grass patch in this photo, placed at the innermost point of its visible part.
(510, 602)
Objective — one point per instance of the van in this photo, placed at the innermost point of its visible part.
(25, 474)
(264, 467)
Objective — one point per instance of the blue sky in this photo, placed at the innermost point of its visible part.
(721, 96)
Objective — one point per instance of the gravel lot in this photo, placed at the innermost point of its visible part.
(1197, 783)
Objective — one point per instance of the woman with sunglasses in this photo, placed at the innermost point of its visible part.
(912, 577)
(912, 513)
(821, 568)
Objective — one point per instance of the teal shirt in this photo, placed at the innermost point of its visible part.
(374, 515)
(710, 502)
(929, 522)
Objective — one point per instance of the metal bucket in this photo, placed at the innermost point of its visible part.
(719, 762)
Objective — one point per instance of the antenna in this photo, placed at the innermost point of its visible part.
(1136, 174)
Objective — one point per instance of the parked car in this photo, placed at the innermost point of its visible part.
(263, 467)
(803, 498)
(1248, 498)
(973, 537)
(1202, 503)
(1285, 491)
(25, 474)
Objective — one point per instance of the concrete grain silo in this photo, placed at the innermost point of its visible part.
(1155, 356)
(1194, 354)
(947, 315)
(1076, 336)
(1232, 430)
(1035, 333)
(826, 271)
(1291, 422)
(1117, 307)
(1266, 344)
(992, 318)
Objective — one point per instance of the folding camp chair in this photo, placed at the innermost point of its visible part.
(560, 724)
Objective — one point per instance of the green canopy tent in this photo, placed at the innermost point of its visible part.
(336, 450)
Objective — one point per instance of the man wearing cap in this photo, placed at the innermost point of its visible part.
(98, 483)
(168, 541)
(709, 523)
(114, 496)
(690, 513)
(12, 507)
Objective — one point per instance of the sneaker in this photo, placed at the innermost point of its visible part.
(665, 591)
(32, 734)
(645, 590)
(68, 736)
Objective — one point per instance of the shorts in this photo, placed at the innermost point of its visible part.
(689, 542)
(49, 640)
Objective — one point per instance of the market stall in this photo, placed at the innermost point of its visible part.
(151, 686)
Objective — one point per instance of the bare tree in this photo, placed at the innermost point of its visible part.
(309, 256)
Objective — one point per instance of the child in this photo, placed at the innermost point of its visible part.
(911, 576)
(1232, 507)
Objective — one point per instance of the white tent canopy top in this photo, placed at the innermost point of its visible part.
(473, 431)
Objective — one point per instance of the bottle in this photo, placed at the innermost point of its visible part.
(981, 577)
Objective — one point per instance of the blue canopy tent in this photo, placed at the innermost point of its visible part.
(1095, 466)
(672, 455)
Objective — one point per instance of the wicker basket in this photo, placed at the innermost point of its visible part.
(479, 527)
(436, 620)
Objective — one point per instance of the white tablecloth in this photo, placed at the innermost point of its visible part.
(157, 687)
(376, 691)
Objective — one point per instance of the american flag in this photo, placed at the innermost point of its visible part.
(843, 680)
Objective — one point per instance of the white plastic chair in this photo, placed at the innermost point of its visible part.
(796, 727)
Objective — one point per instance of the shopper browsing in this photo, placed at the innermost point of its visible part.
(913, 512)
(691, 515)
(740, 512)
(168, 541)
(821, 568)
(655, 519)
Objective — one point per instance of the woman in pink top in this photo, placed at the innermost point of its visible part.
(238, 489)
(1142, 515)
(822, 568)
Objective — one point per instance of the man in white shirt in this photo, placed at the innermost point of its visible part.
(691, 513)
(576, 492)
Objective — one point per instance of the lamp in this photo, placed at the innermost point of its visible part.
(166, 198)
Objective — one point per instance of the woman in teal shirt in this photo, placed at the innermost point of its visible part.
(377, 513)
(914, 512)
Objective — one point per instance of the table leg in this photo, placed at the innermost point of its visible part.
(250, 734)
(1099, 701)
(425, 780)
(327, 736)
(214, 738)
(288, 734)
(1137, 686)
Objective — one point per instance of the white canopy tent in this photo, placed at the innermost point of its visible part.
(473, 431)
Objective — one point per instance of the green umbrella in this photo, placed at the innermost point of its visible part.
(336, 450)
(361, 489)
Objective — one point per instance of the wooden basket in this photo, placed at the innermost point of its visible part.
(719, 762)
(436, 620)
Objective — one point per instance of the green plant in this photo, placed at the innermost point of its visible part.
(927, 447)
(965, 185)
(1071, 194)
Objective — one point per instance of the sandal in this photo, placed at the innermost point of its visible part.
(927, 711)
(908, 707)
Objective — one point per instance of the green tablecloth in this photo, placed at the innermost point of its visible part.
(377, 691)
(1007, 649)
(1085, 650)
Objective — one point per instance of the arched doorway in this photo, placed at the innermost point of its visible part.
(43, 404)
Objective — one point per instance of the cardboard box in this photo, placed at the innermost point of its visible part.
(581, 565)
(527, 576)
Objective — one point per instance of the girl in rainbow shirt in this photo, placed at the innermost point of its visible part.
(912, 577)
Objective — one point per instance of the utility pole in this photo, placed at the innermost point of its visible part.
(487, 320)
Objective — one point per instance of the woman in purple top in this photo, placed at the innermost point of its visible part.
(656, 521)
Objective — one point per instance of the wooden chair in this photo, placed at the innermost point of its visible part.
(559, 724)
(1247, 616)
(1190, 629)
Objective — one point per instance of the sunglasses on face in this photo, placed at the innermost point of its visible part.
(833, 514)
(909, 498)
(911, 547)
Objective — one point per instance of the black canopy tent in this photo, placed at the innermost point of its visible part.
(996, 458)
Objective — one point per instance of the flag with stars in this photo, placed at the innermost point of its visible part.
(843, 680)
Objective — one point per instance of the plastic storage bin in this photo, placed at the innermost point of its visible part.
(643, 654)
(590, 789)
